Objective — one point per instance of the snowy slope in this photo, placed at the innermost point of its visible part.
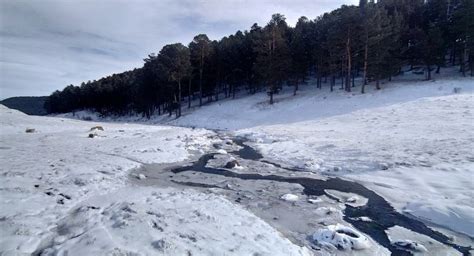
(312, 103)
(412, 142)
(62, 192)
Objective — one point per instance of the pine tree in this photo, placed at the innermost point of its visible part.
(380, 38)
(174, 64)
(300, 49)
(200, 50)
(364, 12)
(273, 55)
(463, 28)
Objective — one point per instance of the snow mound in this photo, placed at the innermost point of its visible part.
(221, 151)
(340, 237)
(289, 197)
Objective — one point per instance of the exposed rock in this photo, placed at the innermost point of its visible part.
(100, 128)
(232, 164)
(409, 245)
(30, 130)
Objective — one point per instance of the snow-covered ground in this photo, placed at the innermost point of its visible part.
(64, 193)
(412, 141)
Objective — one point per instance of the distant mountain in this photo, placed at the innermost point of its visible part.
(27, 105)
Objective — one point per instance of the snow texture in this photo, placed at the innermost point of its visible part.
(340, 237)
(410, 142)
(67, 194)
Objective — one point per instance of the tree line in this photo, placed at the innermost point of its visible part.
(372, 41)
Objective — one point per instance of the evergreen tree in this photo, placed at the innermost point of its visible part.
(378, 38)
(200, 50)
(381, 37)
(273, 54)
(173, 65)
(300, 49)
(463, 28)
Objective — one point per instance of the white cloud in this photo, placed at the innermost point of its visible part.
(46, 45)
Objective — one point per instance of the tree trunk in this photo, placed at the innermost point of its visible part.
(453, 60)
(342, 73)
(296, 87)
(463, 59)
(233, 91)
(471, 64)
(179, 98)
(200, 86)
(377, 83)
(366, 54)
(353, 79)
(333, 82)
(271, 96)
(429, 72)
(189, 92)
(362, 90)
(319, 81)
(201, 67)
(349, 63)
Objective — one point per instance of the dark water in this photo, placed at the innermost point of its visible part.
(380, 211)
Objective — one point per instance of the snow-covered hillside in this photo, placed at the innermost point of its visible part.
(412, 142)
(64, 193)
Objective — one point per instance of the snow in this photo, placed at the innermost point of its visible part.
(410, 142)
(64, 193)
(167, 222)
(347, 198)
(221, 151)
(289, 197)
(341, 237)
(427, 144)
(416, 243)
(312, 103)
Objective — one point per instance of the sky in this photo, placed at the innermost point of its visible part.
(46, 45)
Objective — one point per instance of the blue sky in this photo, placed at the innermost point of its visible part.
(48, 44)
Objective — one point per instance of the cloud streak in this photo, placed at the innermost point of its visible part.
(46, 45)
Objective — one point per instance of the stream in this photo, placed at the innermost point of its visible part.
(382, 214)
